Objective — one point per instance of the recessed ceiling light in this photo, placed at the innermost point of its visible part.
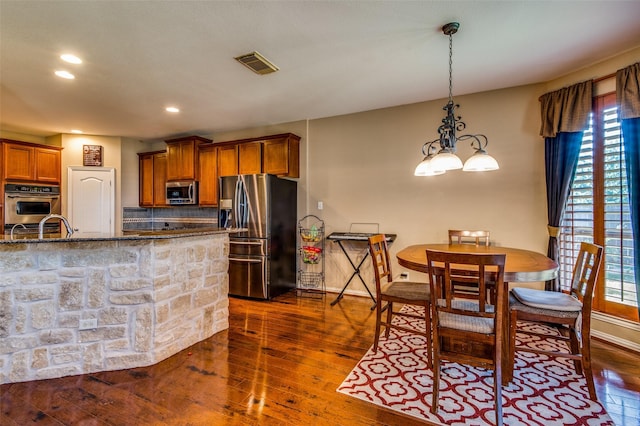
(72, 59)
(172, 109)
(78, 132)
(65, 74)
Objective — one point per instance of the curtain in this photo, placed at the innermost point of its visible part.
(628, 96)
(564, 116)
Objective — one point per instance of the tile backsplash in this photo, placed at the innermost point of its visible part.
(139, 218)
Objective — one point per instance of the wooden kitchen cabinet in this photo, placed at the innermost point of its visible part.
(250, 158)
(228, 160)
(208, 176)
(182, 157)
(276, 154)
(281, 156)
(152, 178)
(23, 161)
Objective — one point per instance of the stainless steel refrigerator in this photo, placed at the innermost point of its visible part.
(262, 260)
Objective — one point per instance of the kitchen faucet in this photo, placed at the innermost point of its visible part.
(14, 227)
(54, 216)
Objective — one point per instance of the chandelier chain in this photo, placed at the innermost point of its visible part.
(450, 68)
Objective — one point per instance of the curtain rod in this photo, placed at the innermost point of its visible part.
(595, 80)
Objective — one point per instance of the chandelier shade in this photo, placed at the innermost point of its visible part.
(480, 162)
(426, 167)
(446, 158)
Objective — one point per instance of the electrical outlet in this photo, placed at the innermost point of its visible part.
(404, 276)
(88, 324)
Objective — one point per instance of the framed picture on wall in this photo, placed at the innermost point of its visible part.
(91, 155)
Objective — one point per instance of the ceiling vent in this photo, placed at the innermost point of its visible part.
(257, 63)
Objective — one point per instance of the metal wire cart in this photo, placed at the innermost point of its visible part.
(311, 257)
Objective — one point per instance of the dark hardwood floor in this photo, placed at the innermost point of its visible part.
(279, 363)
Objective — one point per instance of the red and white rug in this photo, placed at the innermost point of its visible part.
(544, 391)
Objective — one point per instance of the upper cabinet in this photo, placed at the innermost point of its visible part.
(250, 158)
(23, 161)
(207, 175)
(281, 156)
(182, 159)
(275, 154)
(152, 179)
(227, 159)
(196, 158)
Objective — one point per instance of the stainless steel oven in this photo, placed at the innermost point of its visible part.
(28, 204)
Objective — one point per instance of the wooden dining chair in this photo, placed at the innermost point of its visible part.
(457, 236)
(467, 331)
(570, 313)
(468, 290)
(389, 292)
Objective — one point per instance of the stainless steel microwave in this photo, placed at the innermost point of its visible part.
(182, 193)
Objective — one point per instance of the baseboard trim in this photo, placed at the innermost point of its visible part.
(618, 322)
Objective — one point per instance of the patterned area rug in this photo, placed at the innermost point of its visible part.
(544, 391)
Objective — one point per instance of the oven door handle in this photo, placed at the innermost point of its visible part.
(237, 259)
(33, 196)
(246, 243)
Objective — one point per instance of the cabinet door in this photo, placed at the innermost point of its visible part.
(174, 162)
(249, 158)
(160, 179)
(188, 160)
(18, 162)
(47, 165)
(228, 160)
(145, 196)
(181, 160)
(208, 177)
(280, 157)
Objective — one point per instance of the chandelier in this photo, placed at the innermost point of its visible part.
(440, 154)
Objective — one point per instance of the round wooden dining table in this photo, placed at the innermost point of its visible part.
(520, 266)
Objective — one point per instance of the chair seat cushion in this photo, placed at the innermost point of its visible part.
(463, 322)
(551, 300)
(407, 290)
(516, 305)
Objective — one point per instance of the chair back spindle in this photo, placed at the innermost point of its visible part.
(459, 236)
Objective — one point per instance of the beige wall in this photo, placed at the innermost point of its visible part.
(606, 67)
(111, 157)
(25, 138)
(361, 167)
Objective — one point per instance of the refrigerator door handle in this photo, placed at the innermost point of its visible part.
(246, 243)
(236, 208)
(244, 204)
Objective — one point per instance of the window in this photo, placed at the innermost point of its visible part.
(598, 211)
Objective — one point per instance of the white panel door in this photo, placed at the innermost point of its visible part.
(91, 200)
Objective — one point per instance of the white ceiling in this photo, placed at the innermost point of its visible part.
(335, 57)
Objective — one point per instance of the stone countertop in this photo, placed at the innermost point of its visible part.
(20, 238)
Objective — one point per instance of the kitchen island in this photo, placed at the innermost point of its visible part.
(80, 305)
